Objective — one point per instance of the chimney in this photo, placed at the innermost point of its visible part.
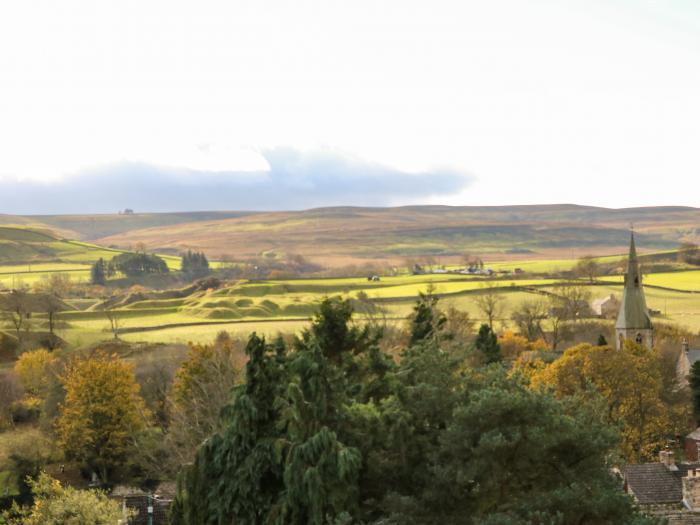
(666, 459)
(685, 345)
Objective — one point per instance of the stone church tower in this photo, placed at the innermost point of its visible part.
(633, 321)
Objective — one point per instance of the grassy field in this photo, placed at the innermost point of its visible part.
(285, 306)
(688, 281)
(28, 256)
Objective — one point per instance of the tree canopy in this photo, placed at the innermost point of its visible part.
(101, 413)
(337, 432)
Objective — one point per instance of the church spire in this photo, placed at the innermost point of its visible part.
(633, 321)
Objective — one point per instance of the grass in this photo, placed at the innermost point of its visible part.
(28, 255)
(288, 304)
(685, 281)
(205, 334)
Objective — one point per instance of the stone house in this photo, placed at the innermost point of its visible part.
(606, 307)
(666, 489)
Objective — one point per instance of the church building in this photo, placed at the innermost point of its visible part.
(633, 321)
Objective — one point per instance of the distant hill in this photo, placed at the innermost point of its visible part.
(350, 235)
(345, 235)
(91, 227)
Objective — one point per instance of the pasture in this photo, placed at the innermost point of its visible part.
(285, 305)
(270, 307)
(27, 256)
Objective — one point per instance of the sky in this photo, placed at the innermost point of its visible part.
(255, 104)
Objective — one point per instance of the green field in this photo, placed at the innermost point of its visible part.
(29, 255)
(688, 281)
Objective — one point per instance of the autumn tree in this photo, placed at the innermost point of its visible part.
(102, 412)
(34, 370)
(55, 504)
(631, 383)
(513, 345)
(202, 387)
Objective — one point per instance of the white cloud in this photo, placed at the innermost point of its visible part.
(544, 101)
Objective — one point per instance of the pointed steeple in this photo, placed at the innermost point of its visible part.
(634, 314)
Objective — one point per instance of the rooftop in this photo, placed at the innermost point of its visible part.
(655, 484)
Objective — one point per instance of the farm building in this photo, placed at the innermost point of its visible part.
(607, 307)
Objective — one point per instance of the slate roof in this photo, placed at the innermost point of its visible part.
(655, 484)
(634, 313)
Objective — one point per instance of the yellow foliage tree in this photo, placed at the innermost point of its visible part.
(34, 371)
(58, 505)
(102, 412)
(202, 387)
(629, 379)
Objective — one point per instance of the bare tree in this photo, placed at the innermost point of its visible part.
(557, 318)
(59, 284)
(490, 303)
(50, 304)
(112, 316)
(15, 309)
(10, 391)
(587, 267)
(574, 300)
(529, 318)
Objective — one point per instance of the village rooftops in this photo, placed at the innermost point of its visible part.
(656, 484)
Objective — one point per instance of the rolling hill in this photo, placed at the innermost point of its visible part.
(349, 235)
(346, 235)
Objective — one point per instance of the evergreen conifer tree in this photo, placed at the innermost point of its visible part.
(237, 474)
(487, 343)
(427, 320)
(97, 273)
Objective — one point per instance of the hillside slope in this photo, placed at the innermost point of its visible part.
(344, 235)
(91, 227)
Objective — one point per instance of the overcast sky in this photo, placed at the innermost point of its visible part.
(456, 102)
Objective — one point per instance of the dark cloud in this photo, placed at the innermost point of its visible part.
(296, 180)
